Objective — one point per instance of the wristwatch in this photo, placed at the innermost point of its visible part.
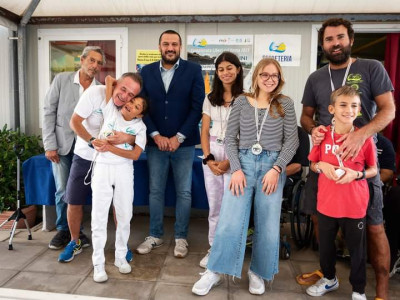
(363, 175)
(180, 138)
(209, 157)
(317, 168)
(90, 142)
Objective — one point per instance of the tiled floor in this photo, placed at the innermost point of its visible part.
(158, 275)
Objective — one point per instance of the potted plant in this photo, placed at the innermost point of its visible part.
(13, 143)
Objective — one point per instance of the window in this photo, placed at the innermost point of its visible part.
(60, 50)
(65, 57)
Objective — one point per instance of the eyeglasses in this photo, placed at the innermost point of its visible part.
(266, 76)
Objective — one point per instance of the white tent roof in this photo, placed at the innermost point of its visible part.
(54, 8)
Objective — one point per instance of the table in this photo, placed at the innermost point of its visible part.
(40, 187)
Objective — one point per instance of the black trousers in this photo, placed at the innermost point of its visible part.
(354, 231)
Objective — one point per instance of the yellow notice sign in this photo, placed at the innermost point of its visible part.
(145, 57)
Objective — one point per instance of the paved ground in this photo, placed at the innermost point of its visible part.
(32, 266)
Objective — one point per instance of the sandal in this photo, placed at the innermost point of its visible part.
(309, 278)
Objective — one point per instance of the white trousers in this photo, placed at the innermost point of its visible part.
(215, 187)
(111, 182)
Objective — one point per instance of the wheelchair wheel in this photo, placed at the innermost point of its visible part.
(301, 224)
(284, 250)
(284, 253)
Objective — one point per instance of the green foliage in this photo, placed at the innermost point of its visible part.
(11, 143)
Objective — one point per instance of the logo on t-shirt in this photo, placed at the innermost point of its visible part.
(330, 149)
(354, 80)
(131, 131)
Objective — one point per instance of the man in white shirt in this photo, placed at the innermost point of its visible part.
(86, 122)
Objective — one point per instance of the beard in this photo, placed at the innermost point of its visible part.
(168, 61)
(90, 72)
(340, 58)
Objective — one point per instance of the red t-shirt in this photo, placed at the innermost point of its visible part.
(349, 200)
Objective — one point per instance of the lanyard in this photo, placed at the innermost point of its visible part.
(345, 75)
(263, 121)
(223, 121)
(334, 145)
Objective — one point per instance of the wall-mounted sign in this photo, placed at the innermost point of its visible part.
(285, 48)
(204, 49)
(145, 57)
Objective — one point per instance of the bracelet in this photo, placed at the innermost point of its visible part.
(278, 170)
(90, 142)
(209, 157)
(319, 171)
(363, 175)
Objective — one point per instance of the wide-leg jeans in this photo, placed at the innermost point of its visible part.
(228, 249)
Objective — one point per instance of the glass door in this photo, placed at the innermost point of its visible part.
(60, 50)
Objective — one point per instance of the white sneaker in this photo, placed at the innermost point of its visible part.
(207, 281)
(149, 244)
(204, 260)
(181, 248)
(323, 286)
(358, 296)
(99, 274)
(256, 284)
(123, 266)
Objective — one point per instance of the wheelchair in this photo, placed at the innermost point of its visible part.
(301, 225)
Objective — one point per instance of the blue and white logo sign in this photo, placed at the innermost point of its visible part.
(285, 48)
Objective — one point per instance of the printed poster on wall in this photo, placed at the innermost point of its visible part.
(145, 57)
(204, 49)
(285, 48)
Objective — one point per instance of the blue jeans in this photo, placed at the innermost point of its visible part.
(181, 162)
(227, 251)
(61, 174)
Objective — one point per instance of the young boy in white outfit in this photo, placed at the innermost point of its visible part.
(113, 180)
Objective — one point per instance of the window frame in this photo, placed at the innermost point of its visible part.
(45, 36)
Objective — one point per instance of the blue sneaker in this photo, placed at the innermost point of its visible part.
(70, 251)
(323, 286)
(129, 255)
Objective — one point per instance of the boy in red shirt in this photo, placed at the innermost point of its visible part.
(343, 195)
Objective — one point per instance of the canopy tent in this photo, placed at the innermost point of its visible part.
(58, 8)
(25, 12)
